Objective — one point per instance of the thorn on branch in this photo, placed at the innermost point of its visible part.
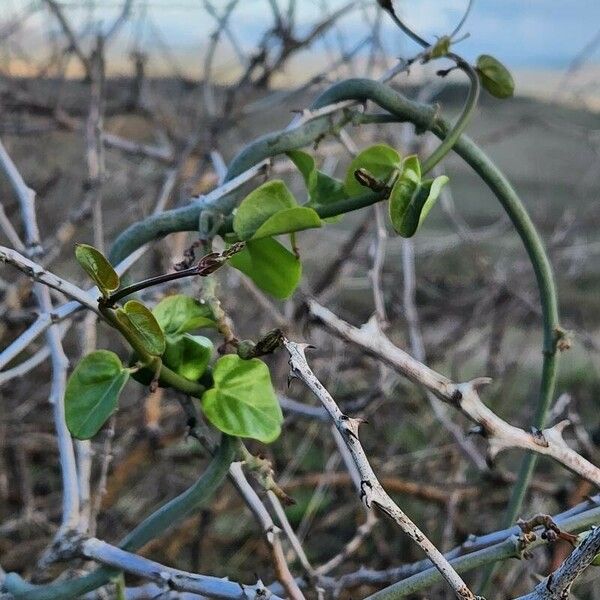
(538, 437)
(563, 339)
(364, 494)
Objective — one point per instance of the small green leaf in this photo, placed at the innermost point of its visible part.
(379, 160)
(95, 264)
(259, 205)
(242, 402)
(441, 47)
(411, 199)
(188, 355)
(92, 392)
(142, 324)
(495, 77)
(305, 163)
(322, 189)
(288, 221)
(272, 267)
(179, 314)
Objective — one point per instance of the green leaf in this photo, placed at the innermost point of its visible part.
(411, 199)
(95, 264)
(142, 325)
(495, 77)
(322, 189)
(188, 355)
(379, 160)
(287, 221)
(242, 401)
(92, 392)
(441, 47)
(272, 267)
(305, 164)
(259, 205)
(179, 314)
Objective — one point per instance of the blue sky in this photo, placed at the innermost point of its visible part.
(522, 33)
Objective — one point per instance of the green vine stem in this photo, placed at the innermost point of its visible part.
(512, 547)
(463, 120)
(425, 118)
(153, 526)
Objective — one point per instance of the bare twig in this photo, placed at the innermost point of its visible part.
(418, 349)
(212, 587)
(26, 198)
(49, 279)
(463, 396)
(269, 530)
(558, 584)
(371, 491)
(60, 363)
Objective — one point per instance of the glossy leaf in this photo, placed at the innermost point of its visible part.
(379, 160)
(411, 199)
(180, 314)
(272, 267)
(322, 189)
(96, 265)
(242, 402)
(142, 324)
(259, 205)
(188, 355)
(288, 221)
(495, 77)
(92, 392)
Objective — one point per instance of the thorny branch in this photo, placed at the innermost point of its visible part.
(370, 490)
(499, 434)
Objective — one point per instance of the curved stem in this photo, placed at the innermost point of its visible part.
(425, 118)
(150, 528)
(467, 112)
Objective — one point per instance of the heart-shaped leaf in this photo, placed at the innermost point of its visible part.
(188, 355)
(143, 326)
(179, 314)
(96, 265)
(495, 77)
(259, 205)
(242, 402)
(288, 221)
(92, 392)
(411, 199)
(379, 160)
(272, 267)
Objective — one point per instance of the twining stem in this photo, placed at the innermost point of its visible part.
(425, 118)
(158, 522)
(150, 282)
(463, 120)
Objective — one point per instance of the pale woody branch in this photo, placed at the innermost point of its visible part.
(41, 275)
(371, 491)
(499, 434)
(557, 585)
(212, 587)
